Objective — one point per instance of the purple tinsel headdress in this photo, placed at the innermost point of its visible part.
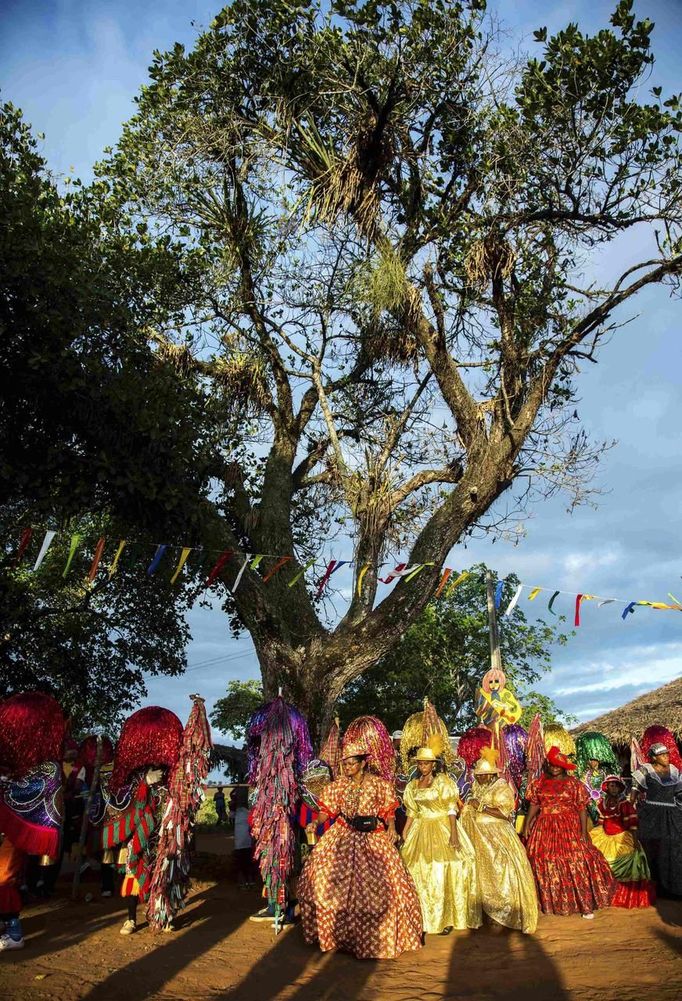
(515, 740)
(302, 745)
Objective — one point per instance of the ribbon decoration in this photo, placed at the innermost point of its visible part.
(158, 556)
(579, 598)
(332, 567)
(181, 562)
(552, 600)
(239, 576)
(534, 593)
(256, 561)
(498, 593)
(278, 565)
(396, 572)
(224, 558)
(606, 601)
(75, 540)
(462, 577)
(47, 542)
(295, 580)
(97, 556)
(415, 570)
(361, 577)
(24, 540)
(121, 546)
(628, 610)
(443, 581)
(512, 604)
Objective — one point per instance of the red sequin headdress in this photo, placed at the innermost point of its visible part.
(32, 730)
(151, 736)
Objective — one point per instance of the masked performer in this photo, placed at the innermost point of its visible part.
(595, 760)
(150, 816)
(571, 875)
(506, 878)
(439, 856)
(32, 731)
(615, 836)
(354, 891)
(657, 785)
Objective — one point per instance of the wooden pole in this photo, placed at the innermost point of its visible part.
(495, 654)
(84, 822)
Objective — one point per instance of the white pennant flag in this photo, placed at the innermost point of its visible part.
(47, 542)
(512, 604)
(240, 574)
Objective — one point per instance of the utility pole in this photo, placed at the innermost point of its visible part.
(495, 655)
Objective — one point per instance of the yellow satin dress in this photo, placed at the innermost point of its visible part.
(506, 878)
(445, 877)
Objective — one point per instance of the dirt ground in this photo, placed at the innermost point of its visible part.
(74, 953)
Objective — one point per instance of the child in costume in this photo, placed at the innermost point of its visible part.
(32, 732)
(615, 835)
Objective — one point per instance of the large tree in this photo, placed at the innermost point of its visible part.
(396, 230)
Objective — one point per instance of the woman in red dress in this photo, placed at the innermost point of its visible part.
(571, 875)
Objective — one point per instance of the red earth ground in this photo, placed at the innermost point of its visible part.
(74, 953)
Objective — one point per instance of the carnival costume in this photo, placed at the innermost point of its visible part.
(355, 893)
(616, 838)
(32, 732)
(446, 877)
(506, 878)
(572, 877)
(594, 746)
(660, 818)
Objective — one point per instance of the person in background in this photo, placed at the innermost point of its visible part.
(243, 842)
(219, 803)
(657, 788)
(616, 838)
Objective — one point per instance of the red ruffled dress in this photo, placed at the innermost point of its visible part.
(572, 876)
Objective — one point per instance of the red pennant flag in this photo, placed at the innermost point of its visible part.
(327, 574)
(24, 542)
(220, 563)
(99, 549)
(578, 599)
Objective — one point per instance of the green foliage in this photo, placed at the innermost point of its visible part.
(231, 713)
(207, 815)
(444, 654)
(536, 703)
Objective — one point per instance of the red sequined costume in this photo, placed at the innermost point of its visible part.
(572, 876)
(615, 837)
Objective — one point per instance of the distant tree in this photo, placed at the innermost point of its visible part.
(444, 654)
(535, 703)
(231, 713)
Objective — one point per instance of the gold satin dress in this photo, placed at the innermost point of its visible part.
(506, 878)
(445, 877)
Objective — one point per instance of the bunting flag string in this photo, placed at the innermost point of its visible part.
(276, 562)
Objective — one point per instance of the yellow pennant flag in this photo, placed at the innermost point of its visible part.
(114, 566)
(534, 593)
(181, 562)
(463, 576)
(361, 577)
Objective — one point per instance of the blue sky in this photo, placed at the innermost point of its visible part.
(74, 68)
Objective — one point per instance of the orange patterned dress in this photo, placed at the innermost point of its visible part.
(571, 875)
(355, 893)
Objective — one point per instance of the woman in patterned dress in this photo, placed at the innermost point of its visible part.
(354, 892)
(506, 878)
(571, 875)
(439, 857)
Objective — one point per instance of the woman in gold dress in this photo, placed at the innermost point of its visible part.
(439, 856)
(506, 878)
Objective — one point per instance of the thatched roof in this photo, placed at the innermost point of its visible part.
(662, 706)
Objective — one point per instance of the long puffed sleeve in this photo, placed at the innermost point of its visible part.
(410, 801)
(449, 795)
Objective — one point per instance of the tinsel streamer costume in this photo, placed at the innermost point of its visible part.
(615, 836)
(136, 800)
(170, 875)
(331, 749)
(446, 877)
(32, 733)
(279, 748)
(354, 891)
(594, 746)
(416, 732)
(660, 823)
(572, 877)
(515, 741)
(660, 735)
(373, 735)
(506, 879)
(556, 735)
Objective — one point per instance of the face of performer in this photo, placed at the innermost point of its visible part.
(661, 759)
(554, 771)
(613, 789)
(486, 778)
(353, 768)
(594, 764)
(425, 767)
